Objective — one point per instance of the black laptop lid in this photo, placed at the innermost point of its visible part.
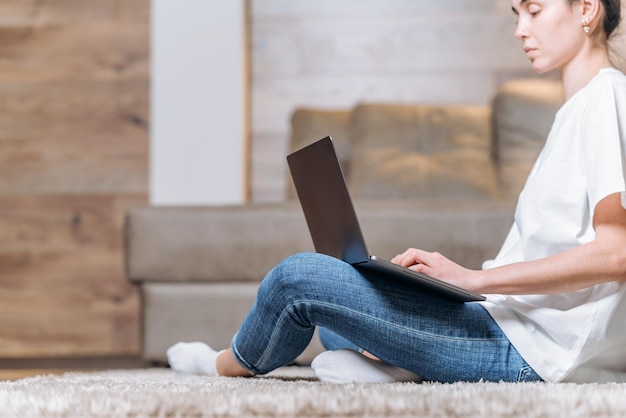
(325, 201)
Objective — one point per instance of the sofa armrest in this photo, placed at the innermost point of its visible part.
(204, 244)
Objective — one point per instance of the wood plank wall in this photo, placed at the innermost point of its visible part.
(333, 54)
(73, 158)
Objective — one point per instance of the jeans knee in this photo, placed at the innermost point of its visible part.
(286, 274)
(298, 275)
(296, 263)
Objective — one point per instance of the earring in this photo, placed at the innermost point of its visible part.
(586, 22)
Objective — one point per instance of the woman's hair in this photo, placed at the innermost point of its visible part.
(611, 16)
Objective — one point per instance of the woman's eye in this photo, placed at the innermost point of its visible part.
(534, 11)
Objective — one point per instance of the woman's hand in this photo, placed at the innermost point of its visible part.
(599, 261)
(437, 266)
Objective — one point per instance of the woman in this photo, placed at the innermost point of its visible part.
(555, 292)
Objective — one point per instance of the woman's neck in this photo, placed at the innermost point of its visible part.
(579, 72)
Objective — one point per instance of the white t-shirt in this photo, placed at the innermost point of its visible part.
(578, 336)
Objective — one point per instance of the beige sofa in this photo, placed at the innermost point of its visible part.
(442, 178)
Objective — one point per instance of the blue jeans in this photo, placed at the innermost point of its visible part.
(437, 339)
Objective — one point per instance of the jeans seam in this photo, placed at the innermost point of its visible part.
(522, 373)
(391, 324)
(270, 343)
(242, 362)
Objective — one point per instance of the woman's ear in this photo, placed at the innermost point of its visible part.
(590, 10)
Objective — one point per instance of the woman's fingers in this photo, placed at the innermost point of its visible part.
(436, 265)
(411, 257)
(430, 263)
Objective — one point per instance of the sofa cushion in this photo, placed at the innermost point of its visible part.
(308, 125)
(523, 111)
(418, 151)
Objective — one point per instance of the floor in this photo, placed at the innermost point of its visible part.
(14, 369)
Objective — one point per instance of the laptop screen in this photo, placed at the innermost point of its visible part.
(325, 201)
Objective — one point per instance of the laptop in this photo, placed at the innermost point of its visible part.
(333, 222)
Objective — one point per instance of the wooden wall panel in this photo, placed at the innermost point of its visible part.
(74, 117)
(98, 50)
(63, 290)
(73, 136)
(75, 11)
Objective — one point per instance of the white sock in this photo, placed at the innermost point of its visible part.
(349, 366)
(193, 358)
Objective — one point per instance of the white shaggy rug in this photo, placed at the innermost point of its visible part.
(164, 393)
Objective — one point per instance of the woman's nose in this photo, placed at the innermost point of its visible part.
(521, 31)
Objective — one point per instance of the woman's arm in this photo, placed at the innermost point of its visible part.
(602, 260)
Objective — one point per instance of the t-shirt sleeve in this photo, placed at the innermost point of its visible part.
(604, 142)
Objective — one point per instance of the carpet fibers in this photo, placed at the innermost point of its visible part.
(164, 393)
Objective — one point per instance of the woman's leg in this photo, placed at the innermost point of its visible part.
(332, 341)
(434, 338)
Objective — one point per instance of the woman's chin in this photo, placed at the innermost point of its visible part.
(540, 68)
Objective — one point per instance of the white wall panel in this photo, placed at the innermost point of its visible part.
(356, 8)
(385, 46)
(198, 100)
